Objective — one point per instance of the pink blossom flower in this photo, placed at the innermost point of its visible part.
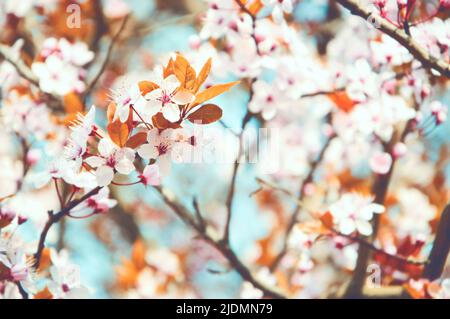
(151, 176)
(381, 162)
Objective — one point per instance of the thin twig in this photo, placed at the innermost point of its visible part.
(372, 247)
(301, 194)
(353, 238)
(220, 245)
(232, 188)
(23, 70)
(105, 62)
(399, 35)
(55, 218)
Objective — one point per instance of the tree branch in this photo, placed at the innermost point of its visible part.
(379, 188)
(55, 218)
(23, 70)
(232, 188)
(441, 247)
(105, 62)
(220, 245)
(400, 36)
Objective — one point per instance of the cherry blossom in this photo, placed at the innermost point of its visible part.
(166, 99)
(111, 159)
(353, 212)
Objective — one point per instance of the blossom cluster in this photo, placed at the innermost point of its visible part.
(361, 123)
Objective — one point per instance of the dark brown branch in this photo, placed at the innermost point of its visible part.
(372, 247)
(55, 218)
(441, 247)
(427, 60)
(379, 188)
(220, 245)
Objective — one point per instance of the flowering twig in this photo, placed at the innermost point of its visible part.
(372, 247)
(55, 218)
(379, 189)
(353, 238)
(231, 190)
(301, 194)
(23, 70)
(221, 245)
(399, 35)
(105, 62)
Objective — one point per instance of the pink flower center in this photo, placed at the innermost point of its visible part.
(165, 98)
(65, 288)
(162, 149)
(111, 161)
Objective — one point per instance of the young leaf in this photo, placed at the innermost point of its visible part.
(111, 109)
(72, 103)
(168, 70)
(184, 72)
(208, 113)
(255, 7)
(119, 132)
(160, 122)
(147, 86)
(203, 75)
(137, 140)
(342, 100)
(211, 92)
(327, 220)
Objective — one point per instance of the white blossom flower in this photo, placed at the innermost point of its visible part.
(353, 212)
(110, 159)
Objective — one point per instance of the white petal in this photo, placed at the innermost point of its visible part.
(95, 161)
(151, 175)
(104, 175)
(171, 112)
(277, 15)
(183, 97)
(287, 6)
(124, 166)
(364, 227)
(147, 151)
(105, 147)
(170, 83)
(347, 226)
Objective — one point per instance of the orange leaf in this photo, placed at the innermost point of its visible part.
(168, 70)
(314, 227)
(211, 92)
(72, 103)
(138, 254)
(160, 122)
(43, 294)
(255, 7)
(119, 132)
(203, 75)
(206, 114)
(184, 72)
(342, 100)
(137, 140)
(147, 86)
(110, 111)
(327, 220)
(45, 260)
